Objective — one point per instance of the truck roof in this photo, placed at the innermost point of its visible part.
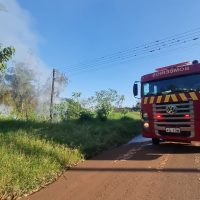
(172, 71)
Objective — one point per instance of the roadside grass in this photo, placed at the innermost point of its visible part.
(33, 154)
(29, 162)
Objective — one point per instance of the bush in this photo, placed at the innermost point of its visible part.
(101, 115)
(103, 111)
(86, 115)
(73, 110)
(68, 110)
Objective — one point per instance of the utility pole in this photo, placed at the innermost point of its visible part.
(52, 95)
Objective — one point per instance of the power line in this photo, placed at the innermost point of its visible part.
(173, 39)
(128, 56)
(97, 68)
(141, 50)
(124, 57)
(144, 47)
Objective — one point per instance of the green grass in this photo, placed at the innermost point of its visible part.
(28, 162)
(119, 115)
(33, 154)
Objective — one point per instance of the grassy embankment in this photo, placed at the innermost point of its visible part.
(33, 154)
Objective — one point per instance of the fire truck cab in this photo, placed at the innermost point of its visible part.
(170, 103)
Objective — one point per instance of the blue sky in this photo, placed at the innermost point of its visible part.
(70, 32)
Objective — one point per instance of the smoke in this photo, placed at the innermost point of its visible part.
(17, 29)
(3, 8)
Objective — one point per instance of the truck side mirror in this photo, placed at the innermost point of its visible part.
(135, 89)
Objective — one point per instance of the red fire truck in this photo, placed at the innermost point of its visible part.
(170, 103)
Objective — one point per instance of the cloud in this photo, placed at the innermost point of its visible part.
(17, 29)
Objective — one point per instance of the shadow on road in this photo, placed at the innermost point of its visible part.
(146, 151)
(139, 152)
(135, 170)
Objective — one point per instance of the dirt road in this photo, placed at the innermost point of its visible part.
(136, 171)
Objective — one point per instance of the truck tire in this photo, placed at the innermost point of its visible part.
(155, 141)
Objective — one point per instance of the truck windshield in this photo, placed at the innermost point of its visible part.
(172, 85)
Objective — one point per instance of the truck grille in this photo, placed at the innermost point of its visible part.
(182, 118)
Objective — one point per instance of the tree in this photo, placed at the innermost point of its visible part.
(106, 96)
(76, 96)
(120, 101)
(105, 101)
(6, 54)
(60, 81)
(89, 103)
(22, 88)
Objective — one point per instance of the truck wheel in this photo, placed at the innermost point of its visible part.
(155, 141)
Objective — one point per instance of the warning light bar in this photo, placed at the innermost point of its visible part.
(182, 64)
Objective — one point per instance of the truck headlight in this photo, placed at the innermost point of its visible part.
(146, 125)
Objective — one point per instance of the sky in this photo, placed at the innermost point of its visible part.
(71, 34)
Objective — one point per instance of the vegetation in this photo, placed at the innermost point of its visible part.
(34, 153)
(100, 106)
(29, 162)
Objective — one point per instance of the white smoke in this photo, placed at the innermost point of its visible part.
(17, 30)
